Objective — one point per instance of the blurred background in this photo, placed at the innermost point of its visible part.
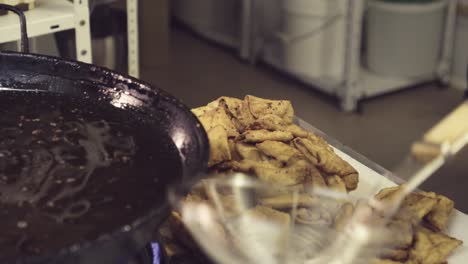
(374, 74)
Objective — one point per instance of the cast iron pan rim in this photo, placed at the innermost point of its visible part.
(153, 212)
(98, 70)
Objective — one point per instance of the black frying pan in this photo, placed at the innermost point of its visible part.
(26, 72)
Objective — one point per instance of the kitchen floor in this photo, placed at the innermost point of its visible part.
(200, 72)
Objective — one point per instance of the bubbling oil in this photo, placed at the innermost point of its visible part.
(73, 169)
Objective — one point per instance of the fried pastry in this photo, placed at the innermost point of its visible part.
(256, 136)
(315, 216)
(315, 178)
(218, 117)
(248, 152)
(288, 201)
(385, 261)
(259, 107)
(278, 150)
(287, 176)
(219, 146)
(323, 157)
(336, 183)
(394, 254)
(269, 122)
(440, 213)
(351, 181)
(343, 216)
(431, 247)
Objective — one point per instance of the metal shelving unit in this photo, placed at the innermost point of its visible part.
(358, 83)
(52, 16)
(133, 35)
(133, 56)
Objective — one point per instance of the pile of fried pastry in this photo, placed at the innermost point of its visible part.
(259, 137)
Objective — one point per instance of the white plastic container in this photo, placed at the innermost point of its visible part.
(404, 40)
(198, 13)
(313, 37)
(215, 19)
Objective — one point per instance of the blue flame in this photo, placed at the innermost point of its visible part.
(156, 253)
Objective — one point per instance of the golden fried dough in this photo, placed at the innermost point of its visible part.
(245, 165)
(219, 146)
(245, 117)
(314, 216)
(233, 149)
(431, 247)
(199, 111)
(291, 175)
(343, 216)
(269, 122)
(281, 219)
(439, 215)
(233, 104)
(288, 201)
(240, 166)
(385, 261)
(323, 157)
(229, 204)
(215, 104)
(259, 107)
(416, 206)
(278, 150)
(275, 162)
(256, 136)
(297, 131)
(271, 214)
(306, 148)
(336, 183)
(319, 141)
(402, 232)
(275, 123)
(248, 152)
(394, 254)
(351, 181)
(387, 193)
(237, 109)
(315, 178)
(275, 191)
(218, 117)
(230, 103)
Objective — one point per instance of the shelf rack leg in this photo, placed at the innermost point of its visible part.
(443, 71)
(246, 29)
(32, 45)
(82, 31)
(350, 91)
(133, 39)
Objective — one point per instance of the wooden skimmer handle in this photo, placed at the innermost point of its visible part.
(451, 133)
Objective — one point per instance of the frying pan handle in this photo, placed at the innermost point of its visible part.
(24, 32)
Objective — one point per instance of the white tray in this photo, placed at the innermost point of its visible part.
(373, 177)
